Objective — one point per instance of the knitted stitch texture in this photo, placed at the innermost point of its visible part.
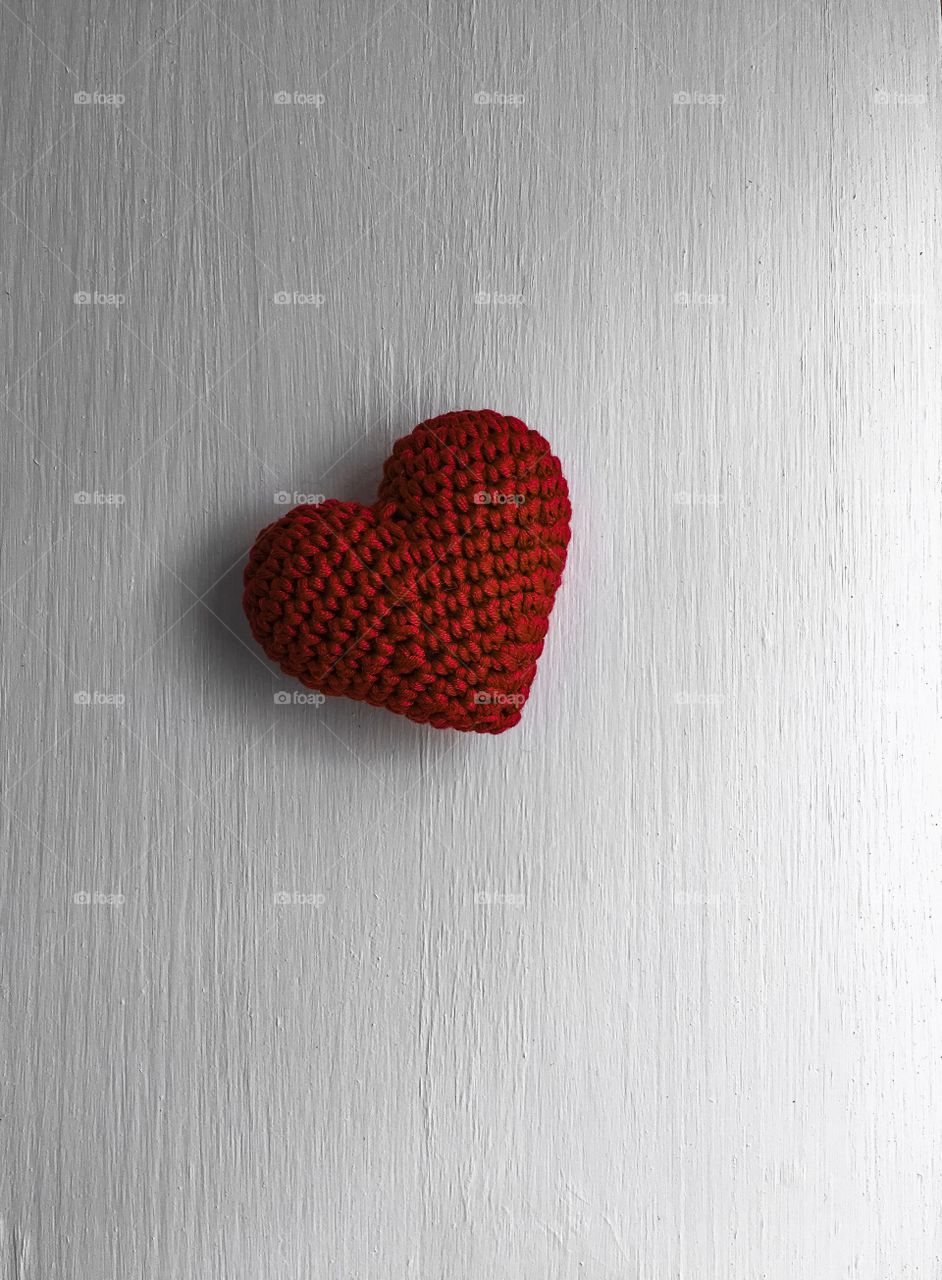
(434, 602)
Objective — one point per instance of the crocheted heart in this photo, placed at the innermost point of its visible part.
(434, 602)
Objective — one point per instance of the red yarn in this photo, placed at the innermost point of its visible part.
(434, 602)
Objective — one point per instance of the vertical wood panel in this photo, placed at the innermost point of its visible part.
(647, 987)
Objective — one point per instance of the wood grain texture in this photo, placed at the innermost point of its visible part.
(648, 987)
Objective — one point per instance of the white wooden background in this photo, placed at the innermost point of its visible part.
(647, 987)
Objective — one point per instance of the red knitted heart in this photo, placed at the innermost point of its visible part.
(434, 602)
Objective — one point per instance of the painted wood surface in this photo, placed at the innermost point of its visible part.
(650, 985)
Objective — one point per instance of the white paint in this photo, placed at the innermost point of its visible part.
(648, 987)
